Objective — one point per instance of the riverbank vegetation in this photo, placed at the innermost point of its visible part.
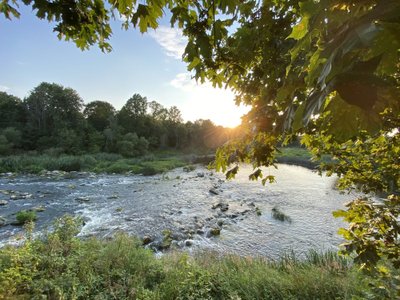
(60, 266)
(53, 120)
(99, 163)
(156, 162)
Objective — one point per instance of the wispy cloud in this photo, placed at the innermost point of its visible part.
(171, 40)
(184, 82)
(4, 88)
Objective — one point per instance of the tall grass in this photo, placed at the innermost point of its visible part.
(60, 266)
(100, 163)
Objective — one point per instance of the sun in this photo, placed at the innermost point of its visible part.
(203, 101)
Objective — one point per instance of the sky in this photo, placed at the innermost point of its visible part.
(149, 64)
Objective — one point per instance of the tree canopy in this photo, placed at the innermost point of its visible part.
(325, 70)
(50, 120)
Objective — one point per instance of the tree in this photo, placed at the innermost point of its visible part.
(131, 145)
(98, 114)
(12, 113)
(133, 114)
(157, 111)
(174, 115)
(50, 109)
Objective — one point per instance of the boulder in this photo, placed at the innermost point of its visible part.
(40, 208)
(3, 202)
(214, 232)
(222, 206)
(83, 199)
(147, 240)
(18, 196)
(214, 191)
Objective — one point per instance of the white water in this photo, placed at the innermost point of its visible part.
(181, 202)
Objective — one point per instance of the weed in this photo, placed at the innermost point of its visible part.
(25, 216)
(277, 214)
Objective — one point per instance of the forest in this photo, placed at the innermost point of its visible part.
(54, 120)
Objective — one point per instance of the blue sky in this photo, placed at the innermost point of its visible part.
(147, 64)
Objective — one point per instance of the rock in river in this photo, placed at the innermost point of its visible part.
(83, 199)
(213, 232)
(147, 240)
(214, 191)
(222, 206)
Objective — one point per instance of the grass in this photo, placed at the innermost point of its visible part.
(60, 266)
(25, 216)
(154, 163)
(99, 163)
(277, 214)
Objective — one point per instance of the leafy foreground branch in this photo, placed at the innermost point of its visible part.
(61, 266)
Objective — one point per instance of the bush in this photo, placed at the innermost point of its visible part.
(66, 163)
(54, 151)
(277, 214)
(118, 167)
(132, 146)
(25, 216)
(189, 168)
(104, 156)
(149, 171)
(5, 145)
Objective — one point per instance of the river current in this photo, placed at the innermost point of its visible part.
(200, 210)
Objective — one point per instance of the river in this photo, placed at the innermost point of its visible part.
(199, 209)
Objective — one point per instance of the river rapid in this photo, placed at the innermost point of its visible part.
(197, 210)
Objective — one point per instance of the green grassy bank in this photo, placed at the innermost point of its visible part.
(100, 163)
(150, 164)
(61, 266)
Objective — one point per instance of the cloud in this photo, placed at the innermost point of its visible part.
(203, 101)
(184, 82)
(171, 40)
(4, 88)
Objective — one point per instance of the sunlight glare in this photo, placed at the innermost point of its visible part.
(202, 101)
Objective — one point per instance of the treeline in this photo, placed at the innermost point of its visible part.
(53, 119)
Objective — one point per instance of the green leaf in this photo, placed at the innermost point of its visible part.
(300, 30)
(339, 213)
(232, 172)
(255, 175)
(195, 62)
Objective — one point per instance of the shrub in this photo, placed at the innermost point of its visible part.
(25, 216)
(132, 146)
(189, 168)
(69, 163)
(279, 215)
(118, 167)
(105, 156)
(5, 145)
(149, 171)
(54, 151)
